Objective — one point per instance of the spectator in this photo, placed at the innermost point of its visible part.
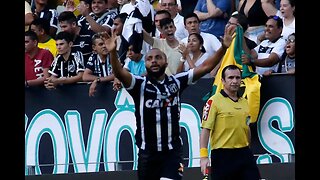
(98, 69)
(257, 18)
(100, 19)
(161, 14)
(134, 62)
(37, 61)
(235, 20)
(42, 27)
(288, 59)
(240, 19)
(178, 3)
(118, 28)
(193, 55)
(81, 38)
(213, 15)
(118, 23)
(28, 16)
(68, 66)
(42, 10)
(267, 54)
(210, 43)
(172, 7)
(169, 45)
(286, 12)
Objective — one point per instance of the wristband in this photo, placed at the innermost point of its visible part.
(182, 60)
(203, 152)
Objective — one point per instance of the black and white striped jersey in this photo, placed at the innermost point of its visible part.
(157, 110)
(51, 15)
(97, 67)
(67, 68)
(106, 19)
(83, 43)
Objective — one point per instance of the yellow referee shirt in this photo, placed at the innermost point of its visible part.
(228, 121)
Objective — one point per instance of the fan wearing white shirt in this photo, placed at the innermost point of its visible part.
(211, 42)
(286, 12)
(172, 7)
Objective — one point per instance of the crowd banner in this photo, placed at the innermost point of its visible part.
(274, 132)
(66, 131)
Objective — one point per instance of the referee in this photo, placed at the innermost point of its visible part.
(226, 120)
(157, 109)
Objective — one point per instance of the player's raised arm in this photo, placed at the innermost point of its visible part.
(123, 75)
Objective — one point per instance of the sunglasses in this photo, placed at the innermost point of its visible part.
(274, 17)
(291, 40)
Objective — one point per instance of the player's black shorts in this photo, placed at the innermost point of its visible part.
(237, 163)
(154, 165)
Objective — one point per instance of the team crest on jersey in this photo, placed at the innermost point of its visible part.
(71, 67)
(206, 110)
(82, 44)
(173, 88)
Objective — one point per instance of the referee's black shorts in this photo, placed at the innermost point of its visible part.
(231, 164)
(154, 165)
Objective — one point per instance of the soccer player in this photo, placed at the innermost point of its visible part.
(157, 108)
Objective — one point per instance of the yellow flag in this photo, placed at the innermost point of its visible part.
(250, 79)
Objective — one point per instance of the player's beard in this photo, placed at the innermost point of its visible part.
(156, 74)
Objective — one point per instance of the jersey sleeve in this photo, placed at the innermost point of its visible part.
(135, 88)
(90, 63)
(79, 61)
(209, 114)
(185, 79)
(136, 80)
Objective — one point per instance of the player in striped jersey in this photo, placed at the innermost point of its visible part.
(157, 108)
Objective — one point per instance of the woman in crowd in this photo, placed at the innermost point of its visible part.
(193, 54)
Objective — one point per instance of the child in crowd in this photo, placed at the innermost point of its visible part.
(134, 62)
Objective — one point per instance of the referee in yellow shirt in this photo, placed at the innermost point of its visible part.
(226, 121)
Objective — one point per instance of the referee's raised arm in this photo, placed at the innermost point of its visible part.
(123, 75)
